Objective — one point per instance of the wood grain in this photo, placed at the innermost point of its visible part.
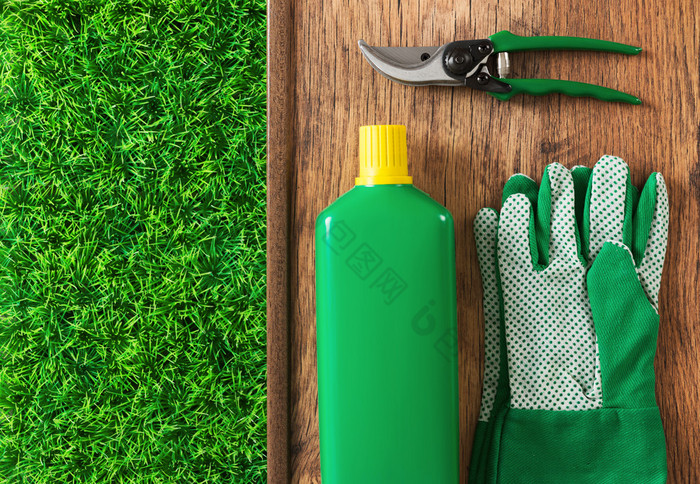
(280, 155)
(463, 145)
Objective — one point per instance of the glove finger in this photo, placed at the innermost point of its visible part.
(516, 238)
(643, 215)
(581, 176)
(485, 233)
(651, 229)
(556, 209)
(605, 205)
(520, 183)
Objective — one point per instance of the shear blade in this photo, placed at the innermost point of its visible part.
(414, 66)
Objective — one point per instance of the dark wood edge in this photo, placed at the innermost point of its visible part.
(280, 144)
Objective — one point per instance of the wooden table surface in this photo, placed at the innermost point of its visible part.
(463, 145)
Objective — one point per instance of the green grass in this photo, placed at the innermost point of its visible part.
(132, 213)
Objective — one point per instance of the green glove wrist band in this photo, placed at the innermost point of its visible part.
(604, 446)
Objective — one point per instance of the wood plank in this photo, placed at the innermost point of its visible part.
(463, 146)
(280, 147)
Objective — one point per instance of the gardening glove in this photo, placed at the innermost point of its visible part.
(580, 322)
(495, 389)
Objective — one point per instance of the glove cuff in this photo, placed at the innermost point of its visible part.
(608, 445)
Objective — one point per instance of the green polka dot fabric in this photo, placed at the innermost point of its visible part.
(652, 264)
(607, 203)
(552, 353)
(485, 228)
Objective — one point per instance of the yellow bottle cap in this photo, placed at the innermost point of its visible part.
(383, 158)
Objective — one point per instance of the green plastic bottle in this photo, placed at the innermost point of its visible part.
(386, 326)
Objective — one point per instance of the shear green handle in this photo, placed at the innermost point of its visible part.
(539, 87)
(504, 41)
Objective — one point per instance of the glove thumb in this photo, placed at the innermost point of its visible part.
(626, 326)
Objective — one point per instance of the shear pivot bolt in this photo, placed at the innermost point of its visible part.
(459, 61)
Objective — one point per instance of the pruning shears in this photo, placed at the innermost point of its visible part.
(466, 63)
